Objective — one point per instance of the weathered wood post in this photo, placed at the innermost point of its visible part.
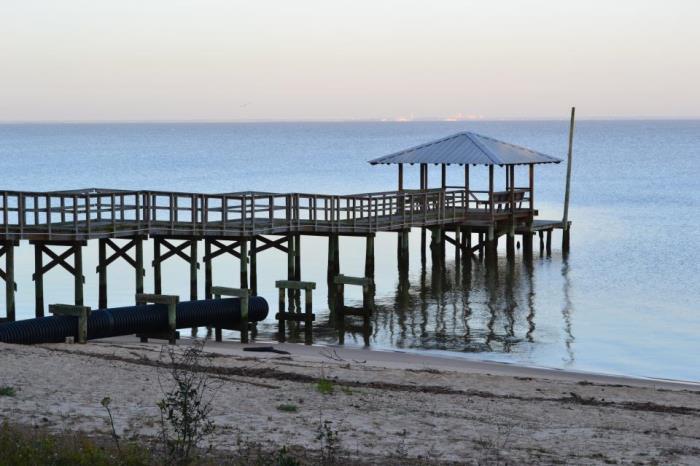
(78, 278)
(527, 244)
(208, 279)
(253, 266)
(194, 265)
(38, 280)
(157, 288)
(244, 263)
(140, 270)
(565, 220)
(9, 276)
(291, 275)
(369, 256)
(549, 242)
(297, 270)
(102, 273)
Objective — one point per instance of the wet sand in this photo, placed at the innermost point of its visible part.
(385, 406)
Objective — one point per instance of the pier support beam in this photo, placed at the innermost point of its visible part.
(104, 260)
(404, 244)
(437, 244)
(491, 245)
(527, 244)
(44, 247)
(8, 275)
(369, 257)
(333, 268)
(253, 267)
(173, 251)
(510, 244)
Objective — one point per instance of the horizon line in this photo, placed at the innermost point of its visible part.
(352, 120)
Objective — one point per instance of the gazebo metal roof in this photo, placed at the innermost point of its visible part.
(466, 148)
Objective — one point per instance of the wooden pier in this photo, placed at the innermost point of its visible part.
(244, 224)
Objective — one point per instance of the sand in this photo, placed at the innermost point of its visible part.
(384, 406)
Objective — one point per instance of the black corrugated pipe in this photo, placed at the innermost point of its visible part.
(148, 318)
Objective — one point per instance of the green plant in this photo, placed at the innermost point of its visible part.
(185, 408)
(329, 442)
(105, 403)
(6, 390)
(288, 408)
(324, 386)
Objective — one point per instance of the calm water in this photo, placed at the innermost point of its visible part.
(625, 301)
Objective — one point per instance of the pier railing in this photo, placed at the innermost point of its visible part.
(96, 213)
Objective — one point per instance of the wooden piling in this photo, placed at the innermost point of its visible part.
(549, 242)
(244, 264)
(38, 280)
(369, 256)
(253, 267)
(193, 269)
(208, 278)
(78, 278)
(102, 273)
(140, 271)
(9, 276)
(157, 288)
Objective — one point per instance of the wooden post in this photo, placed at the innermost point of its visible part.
(466, 181)
(291, 274)
(549, 242)
(400, 177)
(244, 263)
(157, 288)
(38, 280)
(369, 256)
(567, 192)
(527, 244)
(282, 332)
(207, 270)
(308, 315)
(297, 270)
(102, 273)
(491, 191)
(193, 269)
(510, 245)
(458, 244)
(444, 176)
(532, 189)
(10, 280)
(541, 234)
(79, 280)
(140, 271)
(253, 267)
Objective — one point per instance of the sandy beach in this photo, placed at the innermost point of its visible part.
(384, 406)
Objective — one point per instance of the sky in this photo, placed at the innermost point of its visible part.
(211, 60)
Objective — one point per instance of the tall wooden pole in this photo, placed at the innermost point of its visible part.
(565, 219)
(400, 177)
(444, 176)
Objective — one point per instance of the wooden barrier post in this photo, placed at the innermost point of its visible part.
(81, 312)
(244, 295)
(283, 316)
(171, 301)
(365, 311)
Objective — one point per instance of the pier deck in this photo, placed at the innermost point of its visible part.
(98, 213)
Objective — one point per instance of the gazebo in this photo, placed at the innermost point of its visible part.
(493, 212)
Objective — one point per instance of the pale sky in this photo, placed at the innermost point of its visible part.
(95, 60)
